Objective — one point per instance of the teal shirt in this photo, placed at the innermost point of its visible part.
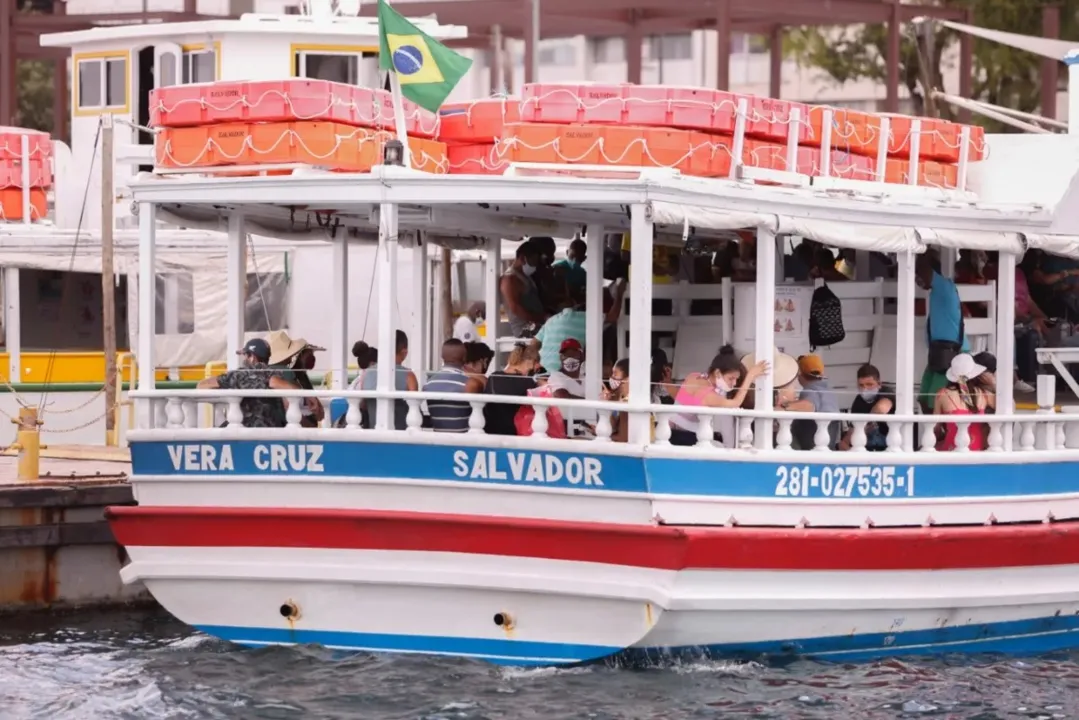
(566, 324)
(575, 274)
(945, 312)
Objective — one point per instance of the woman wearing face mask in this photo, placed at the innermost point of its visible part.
(617, 390)
(715, 388)
(515, 380)
(294, 358)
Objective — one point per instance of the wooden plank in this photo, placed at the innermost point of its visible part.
(40, 496)
(57, 535)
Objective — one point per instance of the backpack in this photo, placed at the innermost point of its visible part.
(825, 318)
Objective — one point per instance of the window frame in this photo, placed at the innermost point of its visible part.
(102, 59)
(187, 53)
(298, 53)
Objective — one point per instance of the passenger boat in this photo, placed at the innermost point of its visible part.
(543, 551)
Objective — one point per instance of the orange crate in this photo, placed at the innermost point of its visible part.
(930, 173)
(478, 159)
(480, 121)
(11, 204)
(852, 131)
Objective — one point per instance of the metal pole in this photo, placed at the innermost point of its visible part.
(535, 40)
(108, 283)
(498, 84)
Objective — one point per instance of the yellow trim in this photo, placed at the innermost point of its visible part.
(295, 48)
(198, 47)
(103, 55)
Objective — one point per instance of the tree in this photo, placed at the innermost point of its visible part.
(36, 96)
(1002, 75)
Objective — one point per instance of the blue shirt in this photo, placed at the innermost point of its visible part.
(400, 407)
(945, 313)
(575, 273)
(447, 415)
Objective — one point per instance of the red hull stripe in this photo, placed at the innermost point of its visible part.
(661, 547)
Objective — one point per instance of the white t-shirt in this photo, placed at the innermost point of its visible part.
(558, 380)
(465, 330)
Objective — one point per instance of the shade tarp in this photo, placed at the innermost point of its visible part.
(1044, 47)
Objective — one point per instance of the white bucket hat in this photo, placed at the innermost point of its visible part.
(282, 347)
(784, 367)
(963, 367)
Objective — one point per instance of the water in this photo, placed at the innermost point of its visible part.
(102, 666)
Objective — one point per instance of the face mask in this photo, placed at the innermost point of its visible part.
(868, 395)
(571, 364)
(529, 269)
(721, 385)
(615, 383)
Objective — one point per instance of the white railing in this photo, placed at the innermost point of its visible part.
(1044, 431)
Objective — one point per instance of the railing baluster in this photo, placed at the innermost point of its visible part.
(745, 432)
(821, 438)
(962, 436)
(234, 415)
(929, 437)
(539, 421)
(354, 416)
(705, 433)
(896, 433)
(784, 437)
(174, 413)
(294, 413)
(663, 429)
(1026, 438)
(996, 438)
(476, 420)
(414, 418)
(857, 436)
(603, 426)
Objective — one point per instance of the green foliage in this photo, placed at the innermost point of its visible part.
(1002, 75)
(36, 95)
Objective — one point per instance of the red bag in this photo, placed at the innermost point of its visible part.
(556, 424)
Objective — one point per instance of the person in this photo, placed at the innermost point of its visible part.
(663, 386)
(366, 356)
(567, 324)
(403, 380)
(520, 296)
(464, 327)
(573, 265)
(988, 379)
(613, 300)
(550, 281)
(874, 398)
(944, 329)
(617, 390)
(1030, 332)
(816, 396)
(714, 388)
(451, 415)
(478, 357)
(567, 381)
(514, 380)
(254, 374)
(965, 394)
(293, 358)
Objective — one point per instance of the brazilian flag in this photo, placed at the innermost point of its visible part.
(426, 69)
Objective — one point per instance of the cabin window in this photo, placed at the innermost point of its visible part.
(102, 83)
(199, 66)
(266, 306)
(174, 311)
(334, 67)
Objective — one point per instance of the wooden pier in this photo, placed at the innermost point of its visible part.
(56, 548)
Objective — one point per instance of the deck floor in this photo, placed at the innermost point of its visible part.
(71, 465)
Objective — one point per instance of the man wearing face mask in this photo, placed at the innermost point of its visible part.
(573, 265)
(520, 295)
(874, 398)
(567, 382)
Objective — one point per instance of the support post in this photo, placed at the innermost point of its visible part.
(419, 339)
(12, 324)
(640, 322)
(236, 289)
(905, 359)
(492, 274)
(765, 342)
(147, 308)
(497, 74)
(1005, 348)
(108, 281)
(891, 61)
(775, 62)
(28, 442)
(532, 37)
(387, 333)
(593, 328)
(446, 300)
(339, 345)
(966, 68)
(723, 45)
(8, 62)
(61, 104)
(634, 51)
(1049, 77)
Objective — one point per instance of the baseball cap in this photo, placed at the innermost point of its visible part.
(987, 360)
(811, 365)
(257, 347)
(570, 344)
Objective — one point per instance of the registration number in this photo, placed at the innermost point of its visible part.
(844, 481)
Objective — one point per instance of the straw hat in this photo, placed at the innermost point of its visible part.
(963, 367)
(283, 348)
(784, 367)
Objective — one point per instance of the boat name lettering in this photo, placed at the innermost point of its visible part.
(272, 457)
(844, 481)
(527, 467)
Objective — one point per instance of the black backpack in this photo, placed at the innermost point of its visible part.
(825, 318)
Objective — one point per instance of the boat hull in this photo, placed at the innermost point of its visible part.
(530, 592)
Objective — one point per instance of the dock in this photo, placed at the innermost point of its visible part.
(56, 548)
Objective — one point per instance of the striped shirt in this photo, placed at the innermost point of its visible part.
(567, 324)
(448, 415)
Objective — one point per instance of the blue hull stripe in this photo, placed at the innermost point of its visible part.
(1020, 638)
(507, 652)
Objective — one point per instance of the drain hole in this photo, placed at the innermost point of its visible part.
(500, 619)
(287, 610)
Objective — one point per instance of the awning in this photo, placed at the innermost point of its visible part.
(1045, 47)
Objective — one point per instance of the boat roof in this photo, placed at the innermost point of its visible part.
(449, 209)
(351, 29)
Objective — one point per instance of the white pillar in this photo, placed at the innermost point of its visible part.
(492, 274)
(949, 256)
(235, 296)
(1072, 61)
(593, 332)
(147, 309)
(906, 364)
(387, 292)
(765, 342)
(640, 320)
(419, 338)
(12, 324)
(1006, 341)
(339, 344)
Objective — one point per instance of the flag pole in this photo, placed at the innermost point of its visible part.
(399, 118)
